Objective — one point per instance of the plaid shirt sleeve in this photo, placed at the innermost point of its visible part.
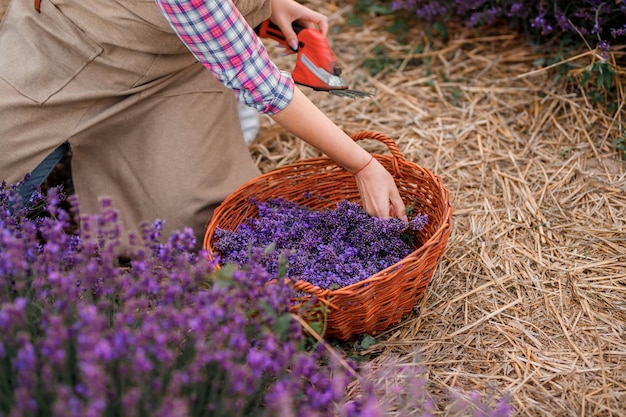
(220, 38)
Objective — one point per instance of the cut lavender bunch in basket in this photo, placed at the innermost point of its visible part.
(331, 248)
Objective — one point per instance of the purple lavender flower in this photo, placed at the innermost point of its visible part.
(603, 48)
(331, 248)
(619, 31)
(517, 10)
(595, 20)
(540, 22)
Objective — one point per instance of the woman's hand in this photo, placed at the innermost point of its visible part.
(379, 193)
(285, 12)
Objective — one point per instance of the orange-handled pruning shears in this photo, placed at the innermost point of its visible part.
(316, 65)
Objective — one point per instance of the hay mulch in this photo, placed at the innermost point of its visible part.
(530, 295)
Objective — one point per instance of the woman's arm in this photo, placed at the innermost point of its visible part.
(221, 39)
(301, 117)
(376, 185)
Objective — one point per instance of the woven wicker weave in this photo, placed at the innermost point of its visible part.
(371, 305)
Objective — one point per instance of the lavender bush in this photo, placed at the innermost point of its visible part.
(330, 248)
(599, 22)
(165, 333)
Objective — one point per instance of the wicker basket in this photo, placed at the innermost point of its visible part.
(371, 305)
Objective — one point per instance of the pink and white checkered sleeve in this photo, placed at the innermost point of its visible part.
(220, 38)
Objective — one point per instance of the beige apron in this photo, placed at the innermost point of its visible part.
(149, 127)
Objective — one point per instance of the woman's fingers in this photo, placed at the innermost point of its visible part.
(285, 12)
(379, 193)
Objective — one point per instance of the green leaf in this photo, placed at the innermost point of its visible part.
(269, 248)
(354, 20)
(397, 26)
(600, 79)
(223, 277)
(441, 28)
(283, 264)
(282, 326)
(585, 78)
(367, 342)
(317, 326)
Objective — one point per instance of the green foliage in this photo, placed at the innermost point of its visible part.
(597, 82)
(620, 143)
(356, 350)
(367, 342)
(604, 75)
(365, 8)
(317, 317)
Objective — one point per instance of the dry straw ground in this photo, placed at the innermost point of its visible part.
(530, 295)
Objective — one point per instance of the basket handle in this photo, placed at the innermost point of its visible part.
(387, 141)
(381, 137)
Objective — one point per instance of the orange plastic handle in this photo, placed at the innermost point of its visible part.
(269, 30)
